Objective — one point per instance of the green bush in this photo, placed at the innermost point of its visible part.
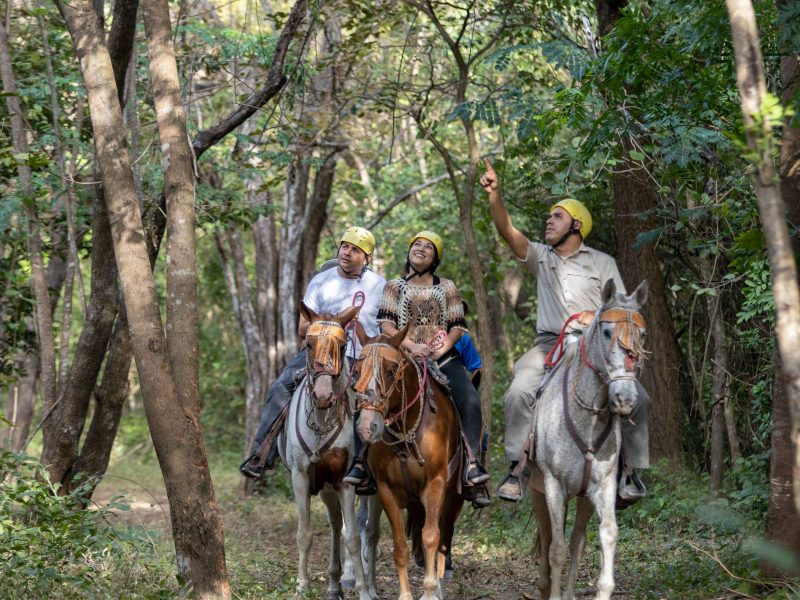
(50, 546)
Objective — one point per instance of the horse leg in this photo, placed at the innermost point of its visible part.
(352, 539)
(302, 498)
(545, 537)
(558, 547)
(394, 513)
(577, 543)
(604, 503)
(432, 499)
(331, 500)
(372, 533)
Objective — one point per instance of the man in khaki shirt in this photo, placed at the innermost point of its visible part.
(569, 280)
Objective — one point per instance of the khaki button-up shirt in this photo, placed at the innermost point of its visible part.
(567, 285)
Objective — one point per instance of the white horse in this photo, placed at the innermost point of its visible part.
(577, 439)
(316, 445)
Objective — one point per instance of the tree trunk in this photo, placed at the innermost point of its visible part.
(634, 195)
(290, 259)
(316, 216)
(44, 319)
(196, 526)
(783, 517)
(198, 534)
(752, 87)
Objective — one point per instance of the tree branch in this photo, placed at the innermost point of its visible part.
(275, 82)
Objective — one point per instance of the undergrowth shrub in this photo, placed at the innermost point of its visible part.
(50, 546)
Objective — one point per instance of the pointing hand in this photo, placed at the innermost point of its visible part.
(489, 178)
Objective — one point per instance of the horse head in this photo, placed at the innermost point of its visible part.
(325, 344)
(380, 370)
(615, 341)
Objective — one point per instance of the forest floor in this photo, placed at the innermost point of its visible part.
(665, 550)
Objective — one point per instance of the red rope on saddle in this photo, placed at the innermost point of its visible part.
(397, 415)
(548, 360)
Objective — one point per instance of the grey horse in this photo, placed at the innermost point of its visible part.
(577, 439)
(317, 446)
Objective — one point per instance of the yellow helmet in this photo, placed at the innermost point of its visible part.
(433, 238)
(578, 212)
(359, 237)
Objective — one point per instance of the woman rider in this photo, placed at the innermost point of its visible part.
(432, 307)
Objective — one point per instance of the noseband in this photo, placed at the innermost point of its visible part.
(371, 357)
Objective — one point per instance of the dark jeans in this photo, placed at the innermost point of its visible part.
(467, 401)
(278, 397)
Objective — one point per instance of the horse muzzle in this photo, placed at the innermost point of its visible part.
(370, 426)
(323, 391)
(623, 396)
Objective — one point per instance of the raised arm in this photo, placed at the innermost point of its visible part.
(502, 220)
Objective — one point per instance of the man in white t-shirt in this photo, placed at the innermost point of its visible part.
(569, 280)
(329, 292)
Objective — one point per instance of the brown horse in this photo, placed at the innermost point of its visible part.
(415, 455)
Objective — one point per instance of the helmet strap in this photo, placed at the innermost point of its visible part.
(570, 232)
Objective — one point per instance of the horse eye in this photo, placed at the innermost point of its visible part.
(607, 333)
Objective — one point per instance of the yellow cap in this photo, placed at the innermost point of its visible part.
(433, 238)
(359, 237)
(578, 212)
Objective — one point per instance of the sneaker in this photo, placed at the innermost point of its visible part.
(510, 489)
(476, 475)
(480, 498)
(357, 475)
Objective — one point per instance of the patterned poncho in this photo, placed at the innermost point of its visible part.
(429, 309)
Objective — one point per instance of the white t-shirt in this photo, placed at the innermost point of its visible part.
(330, 293)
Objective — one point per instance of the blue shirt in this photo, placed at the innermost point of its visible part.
(468, 353)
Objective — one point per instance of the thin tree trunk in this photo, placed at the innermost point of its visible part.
(316, 216)
(752, 87)
(290, 265)
(44, 319)
(196, 520)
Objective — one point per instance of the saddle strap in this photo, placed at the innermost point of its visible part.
(587, 451)
(304, 445)
(263, 449)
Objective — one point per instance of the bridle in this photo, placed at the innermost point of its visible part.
(628, 326)
(372, 358)
(331, 339)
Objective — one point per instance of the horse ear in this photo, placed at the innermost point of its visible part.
(398, 337)
(609, 289)
(641, 292)
(347, 315)
(308, 314)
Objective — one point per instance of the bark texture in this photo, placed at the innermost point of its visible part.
(752, 88)
(633, 195)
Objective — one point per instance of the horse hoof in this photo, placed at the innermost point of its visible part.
(334, 595)
(348, 584)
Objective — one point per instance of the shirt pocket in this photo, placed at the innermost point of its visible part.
(581, 287)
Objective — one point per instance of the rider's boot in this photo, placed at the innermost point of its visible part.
(513, 485)
(631, 489)
(476, 474)
(480, 496)
(253, 468)
(357, 475)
